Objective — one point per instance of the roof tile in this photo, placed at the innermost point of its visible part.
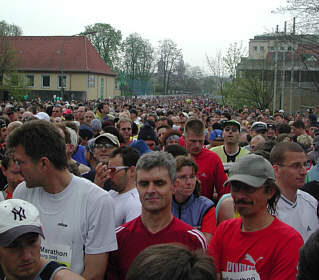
(57, 53)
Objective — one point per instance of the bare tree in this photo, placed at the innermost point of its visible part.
(218, 69)
(306, 13)
(170, 57)
(233, 57)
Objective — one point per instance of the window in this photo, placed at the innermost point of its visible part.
(91, 81)
(45, 81)
(14, 80)
(262, 48)
(29, 80)
(102, 88)
(255, 48)
(61, 81)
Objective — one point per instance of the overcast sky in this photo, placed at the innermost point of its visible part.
(199, 27)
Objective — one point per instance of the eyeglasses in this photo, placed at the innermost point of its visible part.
(115, 169)
(237, 186)
(101, 146)
(18, 162)
(297, 165)
(126, 128)
(233, 129)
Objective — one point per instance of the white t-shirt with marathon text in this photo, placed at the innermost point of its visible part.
(301, 215)
(77, 221)
(127, 206)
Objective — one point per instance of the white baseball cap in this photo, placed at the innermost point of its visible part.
(18, 217)
(43, 116)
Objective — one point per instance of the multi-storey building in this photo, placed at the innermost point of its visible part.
(291, 63)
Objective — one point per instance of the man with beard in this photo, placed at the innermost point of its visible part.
(120, 170)
(124, 126)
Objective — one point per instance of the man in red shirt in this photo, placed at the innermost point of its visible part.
(210, 168)
(257, 245)
(155, 176)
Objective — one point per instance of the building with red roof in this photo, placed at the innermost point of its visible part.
(64, 66)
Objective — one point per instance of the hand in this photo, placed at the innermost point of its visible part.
(101, 174)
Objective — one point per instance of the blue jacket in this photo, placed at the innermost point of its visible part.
(192, 210)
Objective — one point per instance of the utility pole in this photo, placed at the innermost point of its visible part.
(283, 80)
(292, 65)
(283, 71)
(276, 70)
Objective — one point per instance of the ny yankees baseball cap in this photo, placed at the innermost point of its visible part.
(18, 217)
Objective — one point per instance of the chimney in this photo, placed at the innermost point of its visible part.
(285, 28)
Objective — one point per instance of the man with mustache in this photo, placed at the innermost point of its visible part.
(295, 207)
(256, 245)
(155, 174)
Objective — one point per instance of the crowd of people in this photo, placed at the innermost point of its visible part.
(154, 188)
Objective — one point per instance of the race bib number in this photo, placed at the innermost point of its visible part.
(59, 253)
(244, 275)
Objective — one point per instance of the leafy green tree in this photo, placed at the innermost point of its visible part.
(107, 40)
(249, 90)
(8, 59)
(7, 29)
(138, 57)
(170, 59)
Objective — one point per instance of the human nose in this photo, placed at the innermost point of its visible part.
(150, 188)
(26, 252)
(303, 170)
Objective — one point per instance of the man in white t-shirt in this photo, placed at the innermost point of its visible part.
(121, 169)
(77, 215)
(295, 207)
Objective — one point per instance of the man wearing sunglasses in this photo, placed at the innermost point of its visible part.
(295, 207)
(256, 245)
(120, 170)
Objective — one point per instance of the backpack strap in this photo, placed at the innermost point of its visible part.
(49, 269)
